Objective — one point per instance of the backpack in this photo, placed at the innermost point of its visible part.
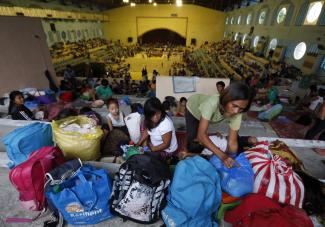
(29, 177)
(139, 189)
(25, 140)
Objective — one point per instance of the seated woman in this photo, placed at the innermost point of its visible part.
(160, 129)
(319, 125)
(17, 109)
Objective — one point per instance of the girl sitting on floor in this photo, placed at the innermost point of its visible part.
(17, 109)
(160, 129)
(115, 118)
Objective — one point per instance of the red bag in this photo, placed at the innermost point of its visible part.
(29, 177)
(258, 210)
(66, 96)
(274, 178)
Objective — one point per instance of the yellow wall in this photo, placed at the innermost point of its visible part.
(191, 22)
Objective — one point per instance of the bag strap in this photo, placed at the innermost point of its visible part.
(24, 220)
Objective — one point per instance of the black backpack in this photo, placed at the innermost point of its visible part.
(140, 188)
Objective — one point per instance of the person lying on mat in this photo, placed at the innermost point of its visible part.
(17, 109)
(160, 129)
(201, 110)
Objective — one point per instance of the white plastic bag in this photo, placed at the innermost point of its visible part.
(133, 123)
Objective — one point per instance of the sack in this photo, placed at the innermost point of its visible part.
(271, 113)
(23, 141)
(194, 195)
(84, 198)
(236, 181)
(29, 177)
(139, 189)
(113, 141)
(77, 145)
(274, 178)
(133, 123)
(258, 210)
(58, 175)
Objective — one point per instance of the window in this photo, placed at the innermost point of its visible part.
(249, 19)
(273, 44)
(227, 20)
(236, 35)
(299, 51)
(314, 10)
(262, 17)
(244, 38)
(232, 20)
(255, 42)
(322, 65)
(225, 34)
(239, 19)
(281, 15)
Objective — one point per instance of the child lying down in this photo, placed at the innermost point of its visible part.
(221, 141)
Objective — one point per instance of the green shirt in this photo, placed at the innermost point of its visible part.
(104, 93)
(207, 106)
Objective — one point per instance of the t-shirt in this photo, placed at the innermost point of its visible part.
(207, 106)
(156, 134)
(315, 103)
(21, 113)
(104, 93)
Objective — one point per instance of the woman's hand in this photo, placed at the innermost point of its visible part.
(228, 162)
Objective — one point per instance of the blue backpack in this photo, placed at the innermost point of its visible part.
(83, 198)
(194, 194)
(236, 181)
(21, 142)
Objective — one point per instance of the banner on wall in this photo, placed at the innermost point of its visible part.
(184, 84)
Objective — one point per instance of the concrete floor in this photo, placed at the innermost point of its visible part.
(9, 205)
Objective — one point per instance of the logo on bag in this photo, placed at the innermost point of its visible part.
(74, 208)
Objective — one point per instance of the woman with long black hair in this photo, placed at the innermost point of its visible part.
(201, 110)
(159, 128)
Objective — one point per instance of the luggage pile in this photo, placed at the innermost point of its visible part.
(49, 171)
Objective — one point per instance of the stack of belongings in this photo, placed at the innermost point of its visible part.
(77, 193)
(278, 191)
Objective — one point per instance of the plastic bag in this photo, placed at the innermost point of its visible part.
(236, 181)
(83, 198)
(85, 146)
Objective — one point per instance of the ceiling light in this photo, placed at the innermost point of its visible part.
(179, 3)
(150, 1)
(125, 1)
(155, 4)
(132, 4)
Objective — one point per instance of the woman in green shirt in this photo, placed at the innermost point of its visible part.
(201, 110)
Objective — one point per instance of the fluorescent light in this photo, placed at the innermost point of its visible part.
(155, 4)
(150, 1)
(179, 3)
(125, 1)
(132, 4)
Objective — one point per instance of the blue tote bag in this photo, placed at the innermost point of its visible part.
(236, 181)
(84, 198)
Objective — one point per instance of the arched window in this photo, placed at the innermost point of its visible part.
(249, 18)
(281, 15)
(262, 17)
(273, 44)
(299, 51)
(255, 42)
(239, 19)
(313, 13)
